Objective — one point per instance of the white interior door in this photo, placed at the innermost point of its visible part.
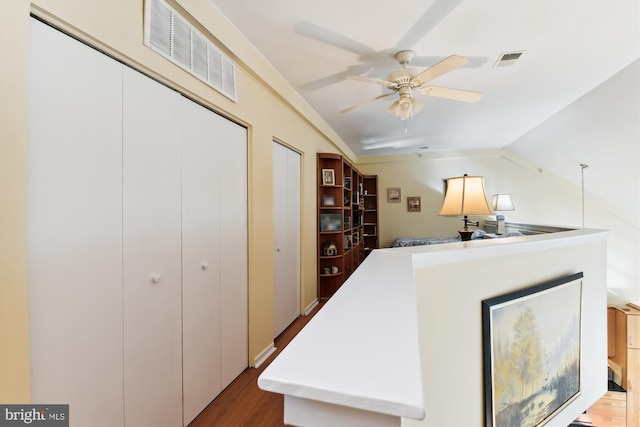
(111, 194)
(234, 262)
(286, 229)
(201, 259)
(74, 201)
(152, 253)
(214, 260)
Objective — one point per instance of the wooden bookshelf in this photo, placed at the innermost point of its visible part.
(347, 221)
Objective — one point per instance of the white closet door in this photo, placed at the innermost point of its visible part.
(234, 246)
(201, 258)
(74, 220)
(286, 230)
(152, 252)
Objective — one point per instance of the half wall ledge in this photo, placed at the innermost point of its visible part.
(398, 340)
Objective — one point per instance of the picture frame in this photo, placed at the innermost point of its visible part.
(347, 222)
(413, 204)
(347, 182)
(328, 200)
(532, 352)
(330, 222)
(393, 195)
(328, 177)
(348, 242)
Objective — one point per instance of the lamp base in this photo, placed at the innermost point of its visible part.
(465, 234)
(500, 225)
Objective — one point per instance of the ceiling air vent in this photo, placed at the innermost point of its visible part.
(508, 59)
(170, 35)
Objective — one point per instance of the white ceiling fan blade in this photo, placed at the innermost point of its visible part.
(455, 94)
(442, 67)
(390, 85)
(368, 101)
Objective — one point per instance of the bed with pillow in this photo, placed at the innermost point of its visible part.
(421, 241)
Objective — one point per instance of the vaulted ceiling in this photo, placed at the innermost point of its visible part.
(568, 48)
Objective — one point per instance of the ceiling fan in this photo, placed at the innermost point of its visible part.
(406, 80)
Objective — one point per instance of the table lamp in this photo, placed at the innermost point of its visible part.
(465, 196)
(501, 203)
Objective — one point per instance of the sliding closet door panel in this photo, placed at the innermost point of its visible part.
(233, 256)
(294, 178)
(152, 252)
(200, 258)
(286, 230)
(279, 229)
(280, 264)
(74, 199)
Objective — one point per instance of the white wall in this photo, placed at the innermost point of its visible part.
(602, 130)
(541, 171)
(449, 296)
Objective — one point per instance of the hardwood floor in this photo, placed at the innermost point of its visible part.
(242, 403)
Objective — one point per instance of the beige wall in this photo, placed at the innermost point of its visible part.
(117, 28)
(14, 327)
(539, 198)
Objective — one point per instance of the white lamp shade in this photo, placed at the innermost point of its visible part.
(465, 196)
(416, 105)
(502, 202)
(406, 107)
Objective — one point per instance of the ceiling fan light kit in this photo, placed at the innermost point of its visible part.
(406, 107)
(404, 80)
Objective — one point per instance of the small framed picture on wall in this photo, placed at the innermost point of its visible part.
(393, 195)
(413, 204)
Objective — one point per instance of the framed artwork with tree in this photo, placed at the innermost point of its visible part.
(531, 346)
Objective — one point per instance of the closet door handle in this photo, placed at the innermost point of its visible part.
(155, 278)
(204, 265)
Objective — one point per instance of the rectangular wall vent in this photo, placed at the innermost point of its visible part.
(170, 35)
(508, 59)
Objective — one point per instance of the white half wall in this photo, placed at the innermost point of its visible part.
(449, 297)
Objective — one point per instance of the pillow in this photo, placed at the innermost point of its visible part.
(478, 234)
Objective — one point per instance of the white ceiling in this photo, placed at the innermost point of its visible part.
(570, 47)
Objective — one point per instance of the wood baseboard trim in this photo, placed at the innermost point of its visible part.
(264, 355)
(311, 307)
